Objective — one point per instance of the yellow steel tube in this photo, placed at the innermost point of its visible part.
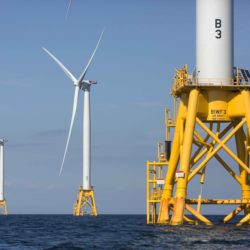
(188, 220)
(201, 165)
(147, 193)
(198, 215)
(157, 163)
(202, 180)
(94, 210)
(240, 138)
(210, 155)
(163, 216)
(198, 206)
(225, 130)
(246, 98)
(78, 206)
(181, 189)
(199, 156)
(201, 143)
(246, 219)
(154, 177)
(229, 151)
(174, 157)
(154, 213)
(233, 213)
(201, 140)
(221, 144)
(167, 116)
(195, 159)
(196, 153)
(218, 201)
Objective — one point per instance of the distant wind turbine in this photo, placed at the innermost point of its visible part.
(3, 205)
(81, 84)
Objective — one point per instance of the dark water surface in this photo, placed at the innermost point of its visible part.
(114, 232)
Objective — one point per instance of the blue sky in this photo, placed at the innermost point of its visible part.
(143, 42)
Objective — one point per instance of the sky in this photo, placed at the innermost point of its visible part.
(144, 41)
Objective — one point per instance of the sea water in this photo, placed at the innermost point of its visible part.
(115, 232)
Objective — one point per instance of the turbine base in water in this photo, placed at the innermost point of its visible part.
(208, 118)
(3, 207)
(85, 204)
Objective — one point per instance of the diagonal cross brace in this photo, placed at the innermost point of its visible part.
(221, 144)
(198, 156)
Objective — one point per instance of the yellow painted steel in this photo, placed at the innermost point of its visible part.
(155, 183)
(188, 220)
(244, 220)
(231, 215)
(85, 204)
(156, 170)
(208, 117)
(198, 215)
(180, 193)
(3, 207)
(219, 201)
(163, 216)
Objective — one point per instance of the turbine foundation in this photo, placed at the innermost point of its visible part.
(3, 207)
(85, 204)
(208, 118)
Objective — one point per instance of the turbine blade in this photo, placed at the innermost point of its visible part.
(65, 70)
(71, 124)
(68, 9)
(90, 60)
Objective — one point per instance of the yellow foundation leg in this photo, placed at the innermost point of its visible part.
(246, 98)
(240, 140)
(85, 203)
(163, 217)
(178, 212)
(245, 176)
(3, 206)
(181, 189)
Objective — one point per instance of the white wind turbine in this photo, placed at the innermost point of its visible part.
(81, 84)
(2, 198)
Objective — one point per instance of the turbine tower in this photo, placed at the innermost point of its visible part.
(86, 192)
(3, 205)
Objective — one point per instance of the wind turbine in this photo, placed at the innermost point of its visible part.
(86, 193)
(2, 199)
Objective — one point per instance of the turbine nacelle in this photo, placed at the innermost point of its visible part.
(88, 82)
(2, 141)
(84, 83)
